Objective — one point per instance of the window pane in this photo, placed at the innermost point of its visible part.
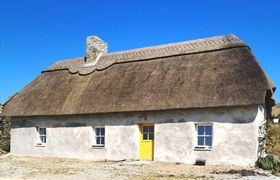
(145, 136)
(97, 131)
(200, 141)
(151, 136)
(102, 140)
(43, 139)
(208, 141)
(41, 131)
(200, 130)
(151, 129)
(102, 131)
(98, 140)
(208, 130)
(145, 128)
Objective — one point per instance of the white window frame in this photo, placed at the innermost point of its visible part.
(203, 147)
(39, 141)
(100, 136)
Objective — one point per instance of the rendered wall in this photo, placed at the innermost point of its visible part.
(235, 135)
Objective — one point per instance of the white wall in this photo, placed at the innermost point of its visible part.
(235, 133)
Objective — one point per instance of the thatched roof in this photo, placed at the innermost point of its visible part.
(211, 72)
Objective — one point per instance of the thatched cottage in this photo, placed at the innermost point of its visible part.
(200, 100)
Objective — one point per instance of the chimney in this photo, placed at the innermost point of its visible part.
(94, 49)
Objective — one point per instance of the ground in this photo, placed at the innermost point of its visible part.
(12, 167)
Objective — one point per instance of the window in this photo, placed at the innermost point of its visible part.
(99, 136)
(148, 132)
(204, 136)
(42, 135)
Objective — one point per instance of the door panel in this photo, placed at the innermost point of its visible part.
(146, 145)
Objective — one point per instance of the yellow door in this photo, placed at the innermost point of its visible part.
(146, 151)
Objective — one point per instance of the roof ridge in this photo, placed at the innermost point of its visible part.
(186, 47)
(214, 39)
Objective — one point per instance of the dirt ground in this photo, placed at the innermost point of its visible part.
(12, 167)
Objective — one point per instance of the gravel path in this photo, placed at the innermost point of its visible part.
(12, 167)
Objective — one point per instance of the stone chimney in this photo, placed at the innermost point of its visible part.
(95, 48)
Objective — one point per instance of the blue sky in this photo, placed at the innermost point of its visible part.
(35, 34)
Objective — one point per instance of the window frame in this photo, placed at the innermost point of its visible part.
(99, 136)
(204, 147)
(39, 140)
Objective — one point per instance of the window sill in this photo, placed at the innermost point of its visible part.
(40, 145)
(97, 147)
(203, 149)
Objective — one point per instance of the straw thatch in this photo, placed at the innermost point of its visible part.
(214, 72)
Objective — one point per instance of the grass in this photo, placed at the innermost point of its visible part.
(276, 110)
(273, 139)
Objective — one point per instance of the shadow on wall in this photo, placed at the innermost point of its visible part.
(241, 114)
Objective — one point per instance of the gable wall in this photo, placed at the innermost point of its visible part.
(235, 133)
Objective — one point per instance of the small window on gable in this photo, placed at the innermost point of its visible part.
(204, 136)
(42, 133)
(99, 139)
